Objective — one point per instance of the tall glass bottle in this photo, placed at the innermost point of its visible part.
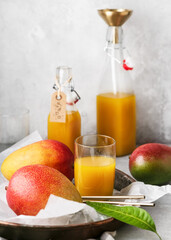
(69, 129)
(116, 104)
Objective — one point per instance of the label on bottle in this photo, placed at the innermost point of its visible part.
(58, 107)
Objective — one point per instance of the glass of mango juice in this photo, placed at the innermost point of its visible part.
(94, 165)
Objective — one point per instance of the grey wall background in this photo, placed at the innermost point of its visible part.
(38, 35)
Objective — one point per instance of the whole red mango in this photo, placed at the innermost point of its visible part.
(151, 163)
(30, 187)
(46, 152)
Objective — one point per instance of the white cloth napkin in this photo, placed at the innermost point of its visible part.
(152, 192)
(58, 211)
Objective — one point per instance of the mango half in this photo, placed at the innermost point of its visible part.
(30, 187)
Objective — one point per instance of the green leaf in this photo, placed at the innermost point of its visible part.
(131, 215)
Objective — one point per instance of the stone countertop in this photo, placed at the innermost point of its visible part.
(161, 215)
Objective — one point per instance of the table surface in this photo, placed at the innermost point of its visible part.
(161, 215)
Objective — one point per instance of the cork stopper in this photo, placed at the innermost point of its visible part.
(115, 17)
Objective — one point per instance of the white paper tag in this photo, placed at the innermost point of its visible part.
(58, 108)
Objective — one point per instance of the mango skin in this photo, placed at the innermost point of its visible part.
(46, 152)
(30, 187)
(151, 163)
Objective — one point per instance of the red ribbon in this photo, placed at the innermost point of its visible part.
(72, 103)
(125, 66)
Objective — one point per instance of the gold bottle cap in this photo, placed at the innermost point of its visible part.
(115, 17)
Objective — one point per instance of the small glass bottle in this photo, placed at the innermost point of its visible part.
(116, 105)
(68, 130)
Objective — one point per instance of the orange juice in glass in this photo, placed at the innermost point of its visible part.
(94, 166)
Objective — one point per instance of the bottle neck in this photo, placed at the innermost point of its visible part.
(114, 35)
(71, 97)
(64, 83)
(114, 47)
(116, 62)
(64, 76)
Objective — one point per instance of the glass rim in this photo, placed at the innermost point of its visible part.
(98, 135)
(6, 112)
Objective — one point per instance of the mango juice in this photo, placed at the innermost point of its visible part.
(116, 117)
(66, 132)
(94, 175)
